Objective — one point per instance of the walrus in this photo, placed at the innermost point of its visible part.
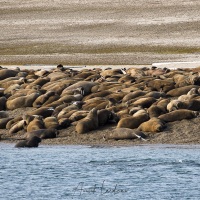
(155, 94)
(89, 123)
(66, 115)
(75, 106)
(181, 90)
(36, 124)
(134, 109)
(17, 127)
(32, 142)
(40, 81)
(4, 114)
(178, 115)
(193, 104)
(123, 113)
(5, 73)
(78, 115)
(133, 95)
(161, 85)
(110, 72)
(144, 102)
(42, 73)
(24, 101)
(70, 98)
(3, 81)
(93, 103)
(84, 84)
(4, 121)
(93, 77)
(64, 123)
(51, 122)
(24, 92)
(9, 91)
(84, 75)
(190, 95)
(152, 125)
(78, 93)
(43, 111)
(52, 101)
(43, 133)
(134, 121)
(135, 72)
(97, 94)
(125, 134)
(57, 87)
(127, 79)
(42, 99)
(175, 105)
(57, 76)
(105, 116)
(13, 121)
(2, 91)
(156, 110)
(8, 83)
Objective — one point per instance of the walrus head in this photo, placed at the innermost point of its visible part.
(196, 113)
(193, 91)
(113, 117)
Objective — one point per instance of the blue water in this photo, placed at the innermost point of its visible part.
(84, 172)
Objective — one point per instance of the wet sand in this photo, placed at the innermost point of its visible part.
(93, 32)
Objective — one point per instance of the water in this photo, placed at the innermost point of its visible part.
(84, 172)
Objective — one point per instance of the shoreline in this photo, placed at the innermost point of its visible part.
(170, 65)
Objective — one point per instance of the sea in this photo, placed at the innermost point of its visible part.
(52, 172)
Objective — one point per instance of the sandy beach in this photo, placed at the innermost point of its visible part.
(93, 32)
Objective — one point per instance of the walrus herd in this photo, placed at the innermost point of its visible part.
(136, 100)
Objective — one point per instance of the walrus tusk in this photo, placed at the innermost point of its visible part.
(140, 137)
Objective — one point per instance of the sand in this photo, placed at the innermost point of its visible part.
(92, 32)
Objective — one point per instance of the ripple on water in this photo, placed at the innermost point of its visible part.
(82, 172)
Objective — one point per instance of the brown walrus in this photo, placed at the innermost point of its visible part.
(156, 110)
(178, 115)
(51, 122)
(89, 123)
(24, 101)
(5, 73)
(86, 85)
(124, 134)
(3, 114)
(152, 125)
(144, 102)
(17, 127)
(4, 121)
(43, 133)
(36, 124)
(43, 111)
(32, 142)
(13, 121)
(42, 99)
(134, 121)
(176, 104)
(105, 116)
(181, 90)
